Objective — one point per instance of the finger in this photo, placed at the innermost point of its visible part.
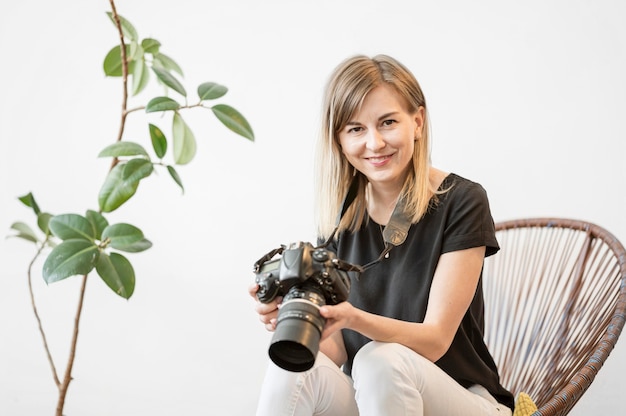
(265, 319)
(270, 325)
(252, 289)
(268, 317)
(326, 311)
(265, 308)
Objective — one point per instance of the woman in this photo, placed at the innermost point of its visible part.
(409, 339)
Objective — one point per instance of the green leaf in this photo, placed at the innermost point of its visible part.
(175, 176)
(137, 169)
(122, 235)
(211, 91)
(151, 45)
(184, 141)
(118, 274)
(138, 246)
(124, 148)
(29, 201)
(72, 226)
(161, 104)
(127, 28)
(116, 190)
(70, 258)
(113, 61)
(24, 231)
(98, 222)
(232, 119)
(159, 142)
(136, 54)
(169, 80)
(141, 75)
(167, 63)
(43, 222)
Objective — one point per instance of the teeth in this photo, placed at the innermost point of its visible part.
(378, 159)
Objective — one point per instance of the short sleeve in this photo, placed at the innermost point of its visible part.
(468, 219)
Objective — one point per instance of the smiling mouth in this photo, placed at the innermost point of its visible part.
(378, 159)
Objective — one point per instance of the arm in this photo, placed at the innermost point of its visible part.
(453, 288)
(334, 348)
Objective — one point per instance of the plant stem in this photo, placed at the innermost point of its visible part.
(41, 331)
(143, 107)
(63, 387)
(70, 361)
(118, 24)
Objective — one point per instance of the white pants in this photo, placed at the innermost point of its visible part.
(389, 379)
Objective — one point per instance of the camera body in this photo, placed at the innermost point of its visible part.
(308, 278)
(301, 262)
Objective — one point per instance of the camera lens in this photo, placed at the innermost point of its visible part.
(295, 343)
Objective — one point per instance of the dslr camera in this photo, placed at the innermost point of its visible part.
(308, 278)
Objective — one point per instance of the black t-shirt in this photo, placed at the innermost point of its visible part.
(398, 287)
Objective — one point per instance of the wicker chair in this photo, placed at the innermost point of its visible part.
(555, 306)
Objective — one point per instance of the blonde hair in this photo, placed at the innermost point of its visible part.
(346, 89)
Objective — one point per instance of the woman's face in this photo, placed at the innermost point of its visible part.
(379, 139)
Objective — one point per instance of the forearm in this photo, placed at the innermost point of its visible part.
(424, 338)
(334, 348)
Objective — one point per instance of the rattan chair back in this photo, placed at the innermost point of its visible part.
(555, 300)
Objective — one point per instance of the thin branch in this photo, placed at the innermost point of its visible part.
(118, 24)
(63, 388)
(34, 306)
(143, 107)
(70, 362)
(68, 372)
(64, 385)
(131, 110)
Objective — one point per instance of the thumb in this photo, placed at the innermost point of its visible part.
(326, 311)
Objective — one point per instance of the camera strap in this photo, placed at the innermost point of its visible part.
(394, 233)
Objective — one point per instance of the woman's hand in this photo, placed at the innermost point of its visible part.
(268, 312)
(337, 317)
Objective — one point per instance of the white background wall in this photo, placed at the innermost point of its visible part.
(527, 98)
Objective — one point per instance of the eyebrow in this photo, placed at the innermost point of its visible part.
(384, 116)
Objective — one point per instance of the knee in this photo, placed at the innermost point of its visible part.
(377, 361)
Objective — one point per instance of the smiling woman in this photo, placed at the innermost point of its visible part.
(408, 340)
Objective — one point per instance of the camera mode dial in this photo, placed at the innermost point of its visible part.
(320, 255)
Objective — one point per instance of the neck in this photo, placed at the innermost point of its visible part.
(381, 202)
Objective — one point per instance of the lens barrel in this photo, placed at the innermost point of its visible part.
(296, 341)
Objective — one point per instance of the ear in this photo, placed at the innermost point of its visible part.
(419, 119)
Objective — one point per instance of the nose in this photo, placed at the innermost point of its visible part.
(374, 140)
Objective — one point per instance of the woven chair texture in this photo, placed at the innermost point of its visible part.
(555, 299)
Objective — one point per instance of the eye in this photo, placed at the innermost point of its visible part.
(355, 129)
(388, 122)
